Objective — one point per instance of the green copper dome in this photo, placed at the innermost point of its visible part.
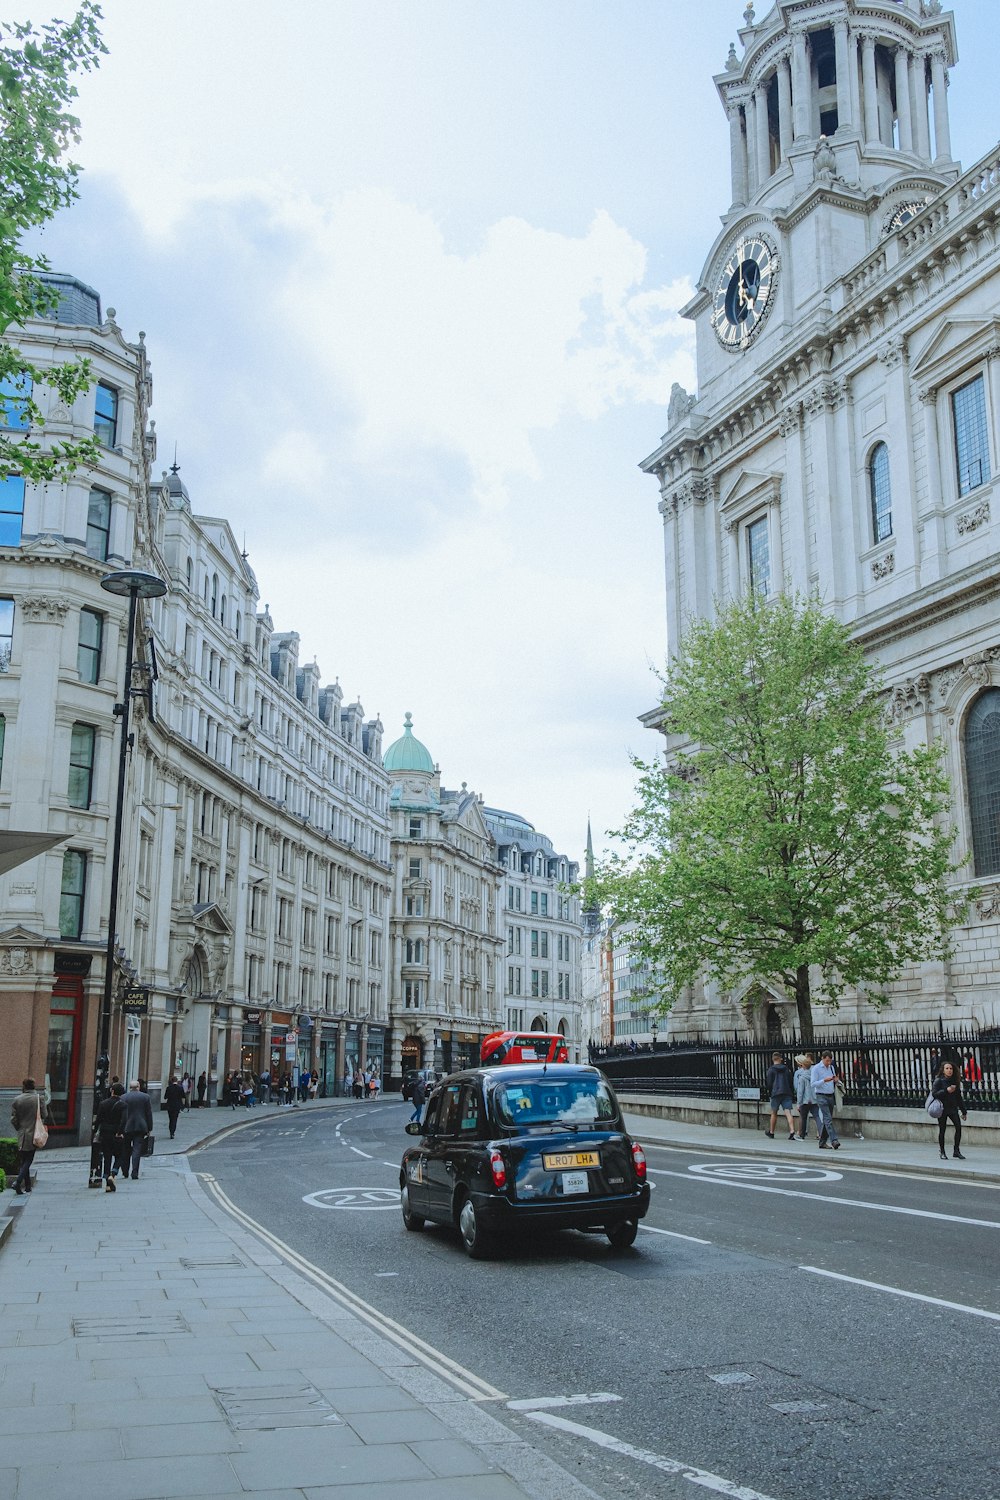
(408, 754)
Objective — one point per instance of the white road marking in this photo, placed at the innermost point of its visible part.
(358, 1152)
(464, 1381)
(897, 1291)
(543, 1403)
(766, 1171)
(694, 1475)
(885, 1208)
(354, 1198)
(907, 1174)
(651, 1229)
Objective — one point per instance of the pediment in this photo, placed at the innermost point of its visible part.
(19, 934)
(750, 487)
(212, 919)
(954, 342)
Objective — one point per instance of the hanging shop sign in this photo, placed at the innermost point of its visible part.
(135, 1000)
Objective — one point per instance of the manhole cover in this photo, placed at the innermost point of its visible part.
(212, 1265)
(795, 1408)
(158, 1326)
(265, 1408)
(736, 1378)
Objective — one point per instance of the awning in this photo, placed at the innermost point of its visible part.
(17, 848)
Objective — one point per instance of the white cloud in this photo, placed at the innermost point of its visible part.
(474, 354)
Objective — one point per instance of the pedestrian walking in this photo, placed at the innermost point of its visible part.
(313, 1084)
(108, 1123)
(348, 1079)
(972, 1074)
(947, 1087)
(805, 1096)
(202, 1089)
(29, 1115)
(137, 1124)
(186, 1086)
(418, 1096)
(173, 1096)
(358, 1085)
(781, 1091)
(265, 1086)
(234, 1089)
(824, 1078)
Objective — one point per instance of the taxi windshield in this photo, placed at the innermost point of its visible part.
(543, 1101)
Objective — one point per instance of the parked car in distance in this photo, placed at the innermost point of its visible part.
(524, 1148)
(430, 1076)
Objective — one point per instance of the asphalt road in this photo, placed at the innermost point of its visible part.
(737, 1334)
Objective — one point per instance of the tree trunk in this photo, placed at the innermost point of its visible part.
(803, 1004)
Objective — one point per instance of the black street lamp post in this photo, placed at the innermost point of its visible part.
(133, 585)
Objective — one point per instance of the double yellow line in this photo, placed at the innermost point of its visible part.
(456, 1375)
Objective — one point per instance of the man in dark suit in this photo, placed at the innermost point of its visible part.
(137, 1123)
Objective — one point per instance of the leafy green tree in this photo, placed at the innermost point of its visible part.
(791, 835)
(37, 130)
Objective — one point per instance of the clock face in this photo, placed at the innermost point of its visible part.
(903, 214)
(744, 292)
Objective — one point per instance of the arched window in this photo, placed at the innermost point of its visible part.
(880, 493)
(982, 772)
(215, 594)
(190, 573)
(222, 611)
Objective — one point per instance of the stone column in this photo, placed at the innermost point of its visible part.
(843, 76)
(934, 558)
(800, 85)
(942, 129)
(738, 155)
(902, 61)
(785, 106)
(869, 89)
(918, 103)
(763, 136)
(751, 126)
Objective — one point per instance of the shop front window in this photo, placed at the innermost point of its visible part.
(62, 1060)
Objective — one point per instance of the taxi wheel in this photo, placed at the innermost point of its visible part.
(622, 1235)
(475, 1239)
(410, 1219)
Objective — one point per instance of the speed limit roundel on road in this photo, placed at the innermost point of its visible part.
(356, 1198)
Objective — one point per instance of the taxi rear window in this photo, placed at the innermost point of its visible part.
(566, 1101)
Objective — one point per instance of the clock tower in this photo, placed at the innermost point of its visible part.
(844, 438)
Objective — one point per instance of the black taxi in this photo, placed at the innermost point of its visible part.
(530, 1147)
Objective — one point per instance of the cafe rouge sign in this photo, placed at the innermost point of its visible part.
(135, 1000)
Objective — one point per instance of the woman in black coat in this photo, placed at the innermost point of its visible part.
(947, 1087)
(173, 1096)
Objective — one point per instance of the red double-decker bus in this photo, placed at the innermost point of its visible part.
(523, 1046)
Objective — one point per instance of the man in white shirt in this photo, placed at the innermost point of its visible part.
(824, 1076)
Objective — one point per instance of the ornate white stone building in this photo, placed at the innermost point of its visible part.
(844, 437)
(255, 856)
(543, 931)
(447, 947)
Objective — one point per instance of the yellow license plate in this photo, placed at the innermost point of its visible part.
(560, 1161)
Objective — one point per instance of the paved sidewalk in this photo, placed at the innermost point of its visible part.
(150, 1348)
(982, 1163)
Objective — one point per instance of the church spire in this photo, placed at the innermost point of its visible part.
(591, 912)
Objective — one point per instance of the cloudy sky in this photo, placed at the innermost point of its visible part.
(409, 273)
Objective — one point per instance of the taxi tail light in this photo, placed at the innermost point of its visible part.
(639, 1161)
(498, 1168)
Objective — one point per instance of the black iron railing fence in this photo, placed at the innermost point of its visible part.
(892, 1069)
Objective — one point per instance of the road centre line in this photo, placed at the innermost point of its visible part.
(897, 1291)
(461, 1379)
(651, 1229)
(694, 1475)
(885, 1208)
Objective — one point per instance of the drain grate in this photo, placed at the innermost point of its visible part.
(156, 1326)
(225, 1264)
(794, 1408)
(265, 1408)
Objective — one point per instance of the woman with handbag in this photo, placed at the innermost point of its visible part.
(30, 1128)
(947, 1089)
